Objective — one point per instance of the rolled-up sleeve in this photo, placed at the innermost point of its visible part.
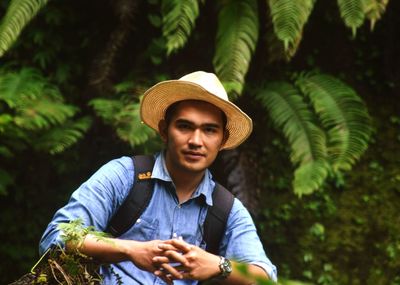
(94, 202)
(241, 242)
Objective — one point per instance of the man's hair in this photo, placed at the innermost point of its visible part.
(169, 113)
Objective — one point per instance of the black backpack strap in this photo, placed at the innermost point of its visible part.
(137, 199)
(217, 217)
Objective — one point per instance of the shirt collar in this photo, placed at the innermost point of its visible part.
(205, 188)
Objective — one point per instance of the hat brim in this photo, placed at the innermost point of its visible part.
(158, 98)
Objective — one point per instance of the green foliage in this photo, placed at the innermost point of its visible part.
(18, 15)
(289, 112)
(352, 13)
(58, 266)
(37, 104)
(374, 10)
(178, 22)
(330, 136)
(123, 115)
(343, 115)
(237, 37)
(75, 232)
(59, 138)
(34, 115)
(289, 18)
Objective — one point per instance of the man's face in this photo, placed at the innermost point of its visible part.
(193, 137)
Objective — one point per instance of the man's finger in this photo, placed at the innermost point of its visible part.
(167, 269)
(166, 278)
(176, 257)
(179, 244)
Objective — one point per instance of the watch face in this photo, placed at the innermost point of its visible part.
(225, 266)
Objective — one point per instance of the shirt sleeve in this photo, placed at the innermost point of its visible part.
(241, 242)
(94, 202)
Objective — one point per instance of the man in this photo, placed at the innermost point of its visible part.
(195, 120)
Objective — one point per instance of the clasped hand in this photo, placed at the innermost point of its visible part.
(180, 260)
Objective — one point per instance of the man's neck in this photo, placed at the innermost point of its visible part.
(185, 182)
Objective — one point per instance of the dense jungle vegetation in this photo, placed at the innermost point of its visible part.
(320, 78)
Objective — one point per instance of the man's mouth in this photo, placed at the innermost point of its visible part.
(194, 155)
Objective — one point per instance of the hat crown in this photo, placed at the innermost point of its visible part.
(208, 81)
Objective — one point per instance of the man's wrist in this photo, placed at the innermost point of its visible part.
(225, 268)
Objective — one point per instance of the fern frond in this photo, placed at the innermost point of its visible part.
(179, 17)
(36, 103)
(130, 128)
(275, 47)
(36, 114)
(342, 113)
(125, 118)
(289, 18)
(289, 112)
(374, 10)
(62, 137)
(107, 108)
(237, 37)
(19, 14)
(310, 176)
(18, 86)
(352, 13)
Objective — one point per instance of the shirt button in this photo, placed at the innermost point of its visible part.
(138, 221)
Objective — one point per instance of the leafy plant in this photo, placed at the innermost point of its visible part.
(123, 114)
(178, 22)
(237, 36)
(35, 115)
(58, 266)
(325, 122)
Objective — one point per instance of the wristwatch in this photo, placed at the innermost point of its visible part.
(225, 267)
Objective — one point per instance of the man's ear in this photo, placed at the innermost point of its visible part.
(225, 138)
(163, 130)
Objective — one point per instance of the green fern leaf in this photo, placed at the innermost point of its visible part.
(310, 176)
(62, 137)
(16, 87)
(237, 37)
(179, 18)
(130, 127)
(289, 18)
(19, 14)
(124, 117)
(107, 108)
(352, 13)
(41, 114)
(37, 104)
(342, 113)
(289, 112)
(374, 10)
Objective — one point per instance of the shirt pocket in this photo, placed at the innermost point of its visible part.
(145, 229)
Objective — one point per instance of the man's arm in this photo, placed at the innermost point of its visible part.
(113, 250)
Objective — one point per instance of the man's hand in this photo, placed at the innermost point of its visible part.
(180, 260)
(142, 254)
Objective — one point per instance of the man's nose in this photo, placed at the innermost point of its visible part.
(195, 138)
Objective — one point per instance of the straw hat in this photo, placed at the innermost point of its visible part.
(198, 85)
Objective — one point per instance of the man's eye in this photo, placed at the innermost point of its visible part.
(210, 130)
(183, 126)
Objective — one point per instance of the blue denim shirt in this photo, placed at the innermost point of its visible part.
(96, 200)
